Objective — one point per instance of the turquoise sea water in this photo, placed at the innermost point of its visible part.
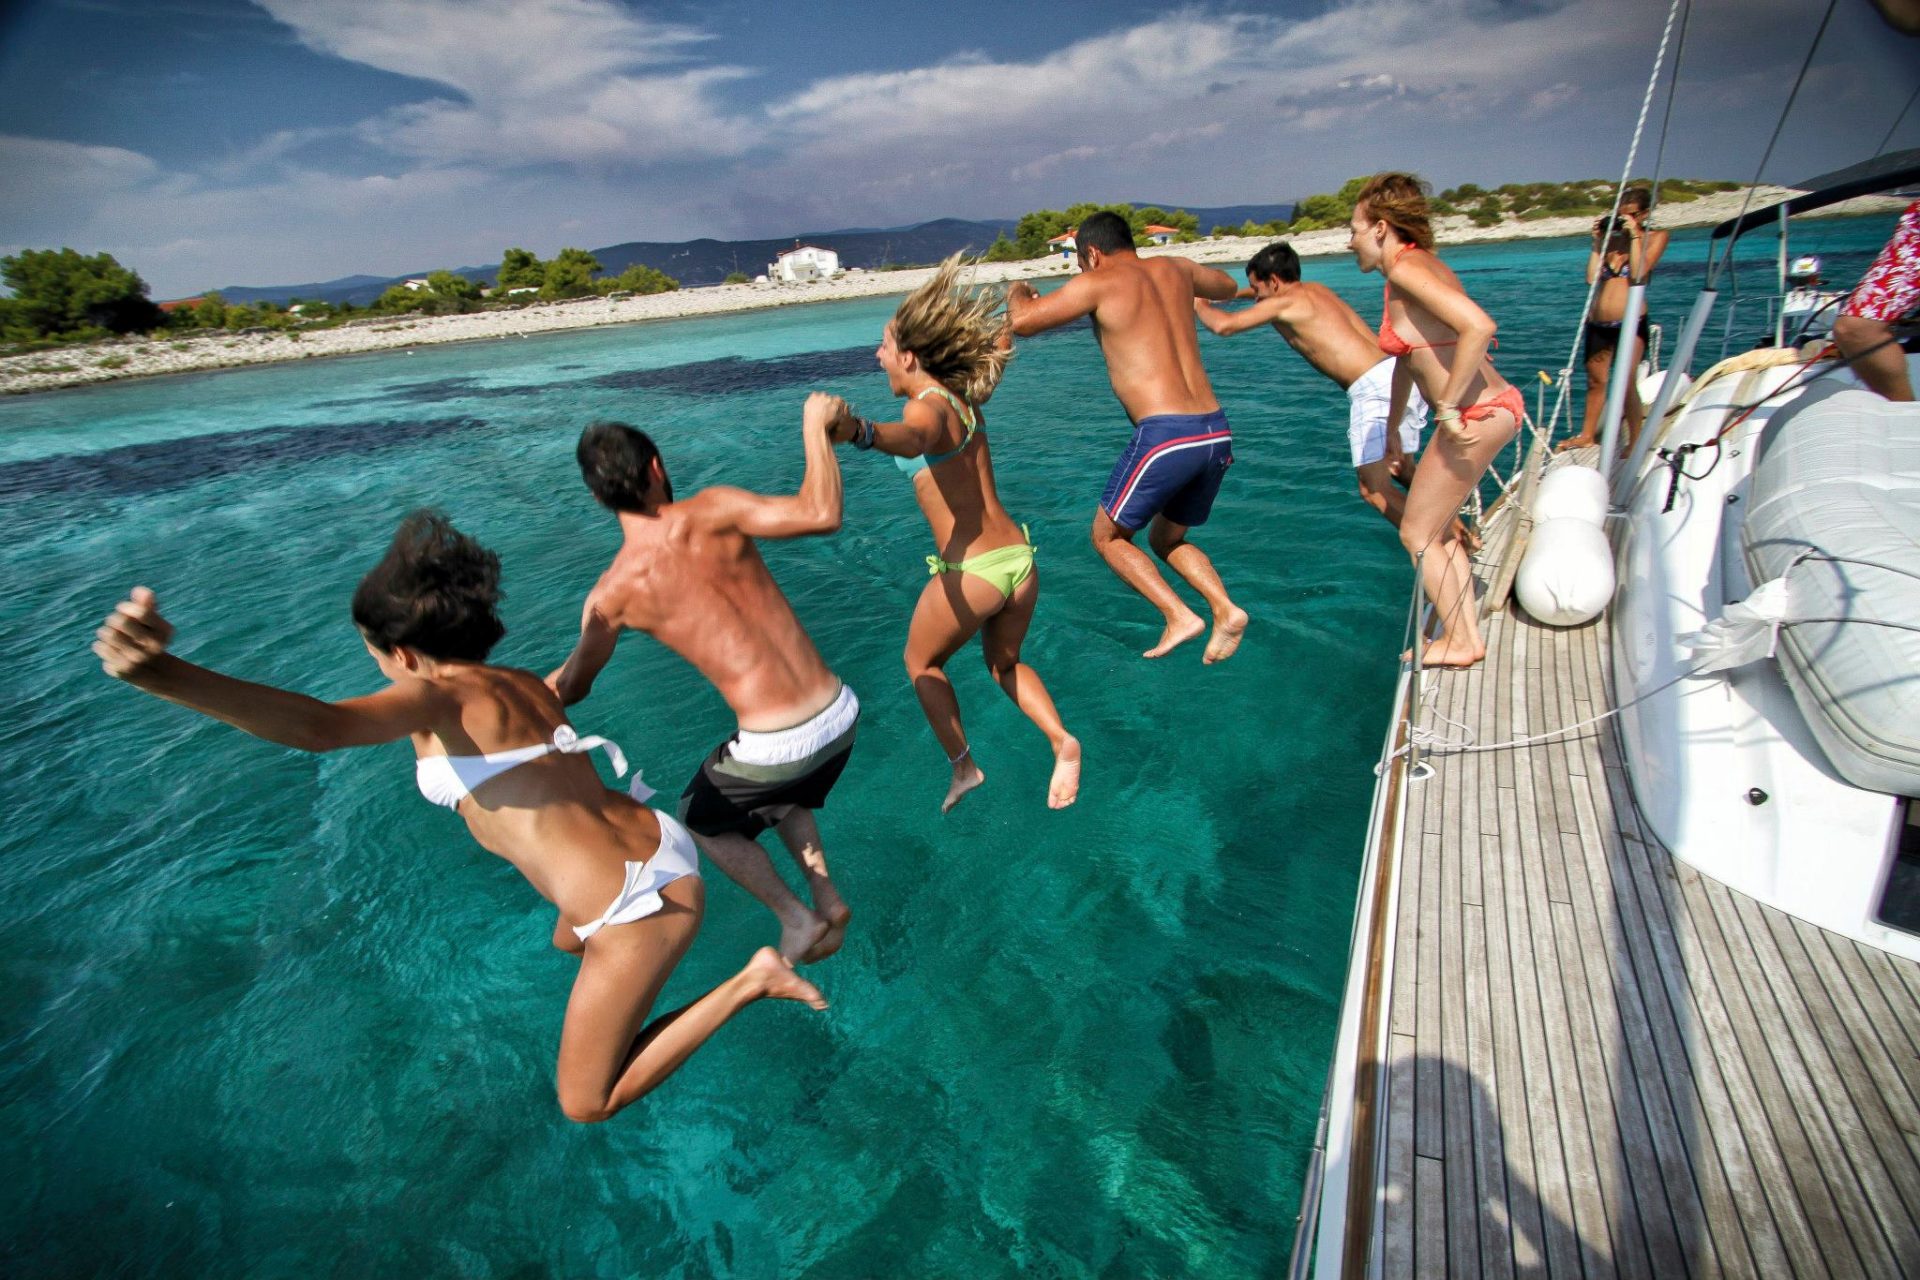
(272, 1014)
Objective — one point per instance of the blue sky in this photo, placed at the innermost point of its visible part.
(213, 142)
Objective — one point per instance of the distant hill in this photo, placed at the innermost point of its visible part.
(691, 262)
(694, 262)
(706, 261)
(1228, 215)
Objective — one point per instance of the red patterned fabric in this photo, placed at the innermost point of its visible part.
(1891, 286)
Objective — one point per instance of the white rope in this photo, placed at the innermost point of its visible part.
(1430, 741)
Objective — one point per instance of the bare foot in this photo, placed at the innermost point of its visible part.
(1227, 630)
(1445, 652)
(966, 776)
(1177, 633)
(837, 916)
(1574, 442)
(801, 935)
(1065, 787)
(773, 976)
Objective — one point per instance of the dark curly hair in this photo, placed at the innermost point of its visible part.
(435, 591)
(614, 460)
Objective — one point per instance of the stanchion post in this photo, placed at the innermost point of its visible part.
(1413, 683)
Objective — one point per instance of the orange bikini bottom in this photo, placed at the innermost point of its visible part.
(1510, 400)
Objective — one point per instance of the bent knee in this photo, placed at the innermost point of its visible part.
(586, 1110)
(1164, 544)
(1001, 665)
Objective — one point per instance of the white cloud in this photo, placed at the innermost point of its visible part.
(1204, 106)
(538, 81)
(49, 181)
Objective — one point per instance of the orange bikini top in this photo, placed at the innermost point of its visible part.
(1390, 342)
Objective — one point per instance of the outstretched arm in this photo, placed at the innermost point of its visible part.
(598, 634)
(816, 508)
(132, 646)
(1029, 313)
(1228, 323)
(1209, 282)
(918, 432)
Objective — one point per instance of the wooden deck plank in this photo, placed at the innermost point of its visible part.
(1403, 1003)
(1482, 1083)
(1716, 1101)
(1826, 1194)
(1429, 1115)
(1902, 1012)
(1877, 1040)
(1602, 1065)
(1458, 1104)
(1567, 1183)
(1658, 1157)
(1888, 1178)
(1621, 1148)
(1430, 1254)
(1397, 1225)
(1527, 1231)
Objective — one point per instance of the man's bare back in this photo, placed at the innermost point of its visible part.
(689, 575)
(1142, 312)
(699, 587)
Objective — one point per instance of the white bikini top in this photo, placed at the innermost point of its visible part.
(448, 780)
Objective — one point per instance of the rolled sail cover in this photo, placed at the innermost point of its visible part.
(1840, 476)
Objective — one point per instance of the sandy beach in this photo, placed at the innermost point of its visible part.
(167, 354)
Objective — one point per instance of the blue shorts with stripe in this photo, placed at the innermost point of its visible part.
(1172, 467)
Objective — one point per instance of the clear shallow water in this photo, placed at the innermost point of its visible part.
(272, 1013)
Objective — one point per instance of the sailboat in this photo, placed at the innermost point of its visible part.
(1634, 986)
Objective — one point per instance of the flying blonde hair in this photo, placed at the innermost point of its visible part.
(954, 333)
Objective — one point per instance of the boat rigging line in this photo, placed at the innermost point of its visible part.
(1911, 98)
(1674, 13)
(1780, 124)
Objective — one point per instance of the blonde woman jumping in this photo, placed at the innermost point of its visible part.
(943, 353)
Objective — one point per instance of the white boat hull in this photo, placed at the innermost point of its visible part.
(1724, 767)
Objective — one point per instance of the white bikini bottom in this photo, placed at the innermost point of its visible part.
(639, 897)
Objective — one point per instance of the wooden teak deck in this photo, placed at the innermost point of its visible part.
(1600, 1062)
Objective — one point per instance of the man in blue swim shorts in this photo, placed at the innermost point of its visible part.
(1142, 311)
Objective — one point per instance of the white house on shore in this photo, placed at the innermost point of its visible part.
(1064, 245)
(804, 263)
(1161, 235)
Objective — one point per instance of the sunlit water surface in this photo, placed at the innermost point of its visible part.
(272, 1014)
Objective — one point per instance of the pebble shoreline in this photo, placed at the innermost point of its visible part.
(148, 357)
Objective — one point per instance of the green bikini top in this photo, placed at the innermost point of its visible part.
(914, 466)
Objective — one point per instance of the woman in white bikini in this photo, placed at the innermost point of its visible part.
(943, 353)
(494, 745)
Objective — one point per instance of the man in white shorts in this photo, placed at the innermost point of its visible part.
(1333, 339)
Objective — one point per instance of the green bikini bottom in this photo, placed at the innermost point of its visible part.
(1004, 567)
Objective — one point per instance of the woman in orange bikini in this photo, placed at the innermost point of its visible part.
(1439, 339)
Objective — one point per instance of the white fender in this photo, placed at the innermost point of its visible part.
(1649, 382)
(1572, 493)
(1567, 575)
